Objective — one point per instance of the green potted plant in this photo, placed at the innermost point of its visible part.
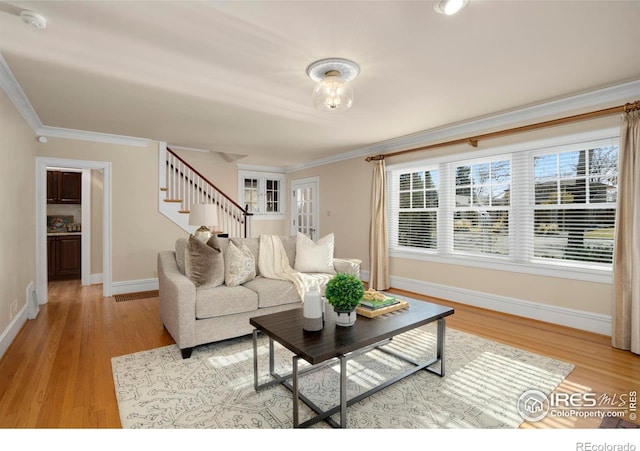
(344, 292)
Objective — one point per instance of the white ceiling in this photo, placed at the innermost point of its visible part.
(230, 76)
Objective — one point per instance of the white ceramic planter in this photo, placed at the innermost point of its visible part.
(345, 318)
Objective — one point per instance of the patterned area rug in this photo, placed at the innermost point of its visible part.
(214, 388)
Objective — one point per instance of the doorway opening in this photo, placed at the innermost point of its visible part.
(67, 204)
(92, 172)
(304, 207)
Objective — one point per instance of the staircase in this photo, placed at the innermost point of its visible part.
(182, 186)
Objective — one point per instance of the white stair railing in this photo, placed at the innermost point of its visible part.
(181, 186)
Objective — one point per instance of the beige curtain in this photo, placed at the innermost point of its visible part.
(378, 254)
(626, 261)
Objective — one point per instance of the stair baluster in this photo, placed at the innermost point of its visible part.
(183, 186)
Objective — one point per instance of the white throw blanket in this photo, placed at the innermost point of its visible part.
(274, 264)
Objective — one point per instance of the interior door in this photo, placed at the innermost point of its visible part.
(304, 207)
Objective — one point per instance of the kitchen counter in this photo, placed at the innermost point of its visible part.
(63, 233)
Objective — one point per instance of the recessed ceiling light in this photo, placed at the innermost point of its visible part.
(449, 7)
(34, 19)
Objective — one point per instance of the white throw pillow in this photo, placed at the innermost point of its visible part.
(314, 257)
(240, 266)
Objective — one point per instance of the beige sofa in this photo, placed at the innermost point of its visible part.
(198, 315)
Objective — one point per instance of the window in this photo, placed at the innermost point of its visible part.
(262, 192)
(417, 204)
(481, 215)
(251, 194)
(538, 206)
(272, 194)
(575, 204)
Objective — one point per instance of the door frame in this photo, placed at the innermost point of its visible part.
(41, 222)
(316, 202)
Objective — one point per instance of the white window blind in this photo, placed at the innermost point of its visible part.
(414, 201)
(539, 206)
(575, 194)
(482, 206)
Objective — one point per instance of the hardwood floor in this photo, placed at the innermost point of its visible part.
(57, 372)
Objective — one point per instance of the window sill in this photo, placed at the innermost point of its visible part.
(498, 264)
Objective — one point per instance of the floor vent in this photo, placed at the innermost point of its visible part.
(139, 295)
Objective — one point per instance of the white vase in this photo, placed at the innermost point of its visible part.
(345, 318)
(313, 309)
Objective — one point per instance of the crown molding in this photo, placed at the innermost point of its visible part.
(528, 114)
(258, 168)
(67, 133)
(593, 99)
(363, 152)
(16, 95)
(586, 100)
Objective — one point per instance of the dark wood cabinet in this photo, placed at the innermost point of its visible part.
(64, 187)
(51, 256)
(64, 256)
(52, 186)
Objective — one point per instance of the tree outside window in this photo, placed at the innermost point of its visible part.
(482, 201)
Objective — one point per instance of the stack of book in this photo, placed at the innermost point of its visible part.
(377, 304)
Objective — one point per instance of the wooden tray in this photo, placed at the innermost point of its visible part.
(381, 311)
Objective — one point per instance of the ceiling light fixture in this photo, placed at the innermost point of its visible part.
(34, 19)
(333, 91)
(449, 7)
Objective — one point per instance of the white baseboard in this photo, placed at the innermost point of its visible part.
(577, 319)
(134, 286)
(95, 279)
(10, 333)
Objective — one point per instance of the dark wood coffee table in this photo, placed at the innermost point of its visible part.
(343, 343)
